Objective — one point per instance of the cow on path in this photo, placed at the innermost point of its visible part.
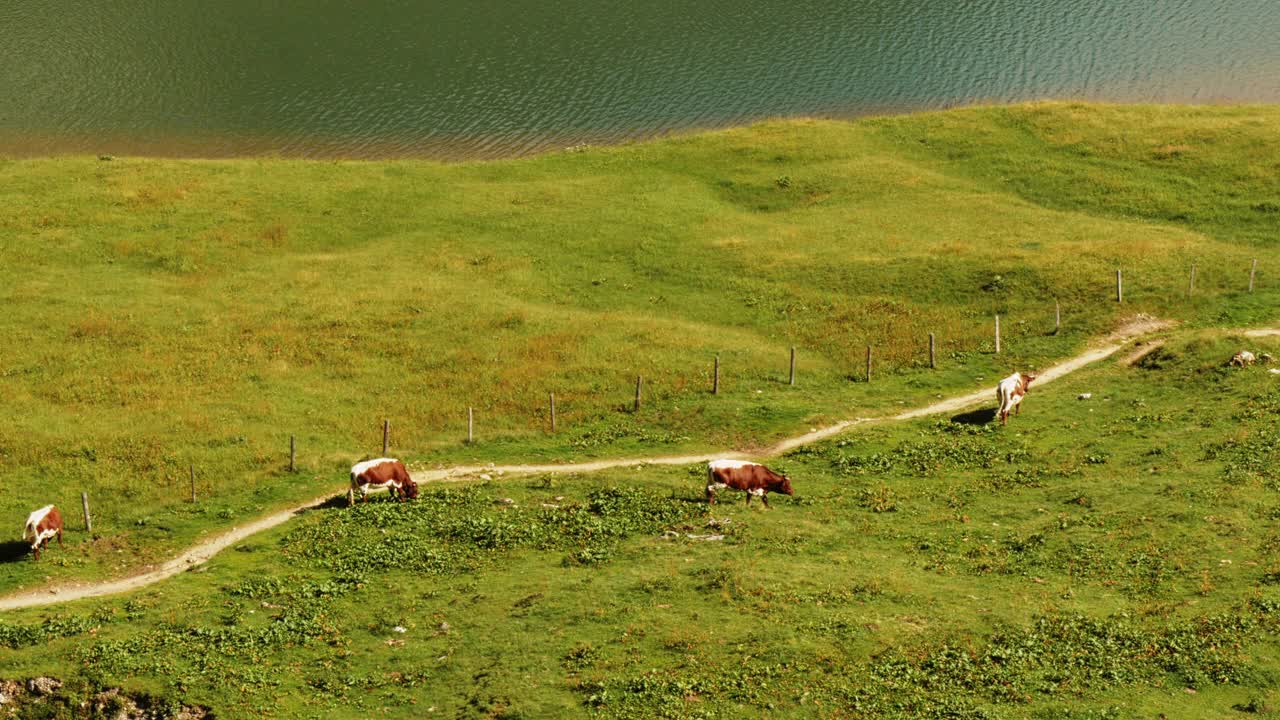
(42, 525)
(753, 478)
(1009, 393)
(383, 472)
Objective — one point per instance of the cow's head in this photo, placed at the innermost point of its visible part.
(782, 486)
(1026, 380)
(411, 490)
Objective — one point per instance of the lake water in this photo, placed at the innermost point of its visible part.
(488, 78)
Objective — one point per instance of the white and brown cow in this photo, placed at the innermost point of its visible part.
(42, 525)
(383, 472)
(753, 478)
(1009, 394)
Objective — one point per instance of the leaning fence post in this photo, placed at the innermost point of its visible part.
(997, 334)
(715, 378)
(1252, 271)
(933, 358)
(792, 380)
(868, 363)
(553, 412)
(386, 436)
(84, 503)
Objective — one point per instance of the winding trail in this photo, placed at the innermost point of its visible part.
(206, 549)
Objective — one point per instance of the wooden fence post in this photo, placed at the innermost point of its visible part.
(1057, 316)
(1191, 285)
(1252, 271)
(933, 358)
(1119, 287)
(997, 334)
(868, 363)
(470, 425)
(715, 378)
(792, 380)
(639, 389)
(553, 412)
(386, 436)
(193, 482)
(293, 453)
(84, 503)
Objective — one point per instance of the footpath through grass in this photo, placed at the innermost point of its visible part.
(162, 314)
(1104, 558)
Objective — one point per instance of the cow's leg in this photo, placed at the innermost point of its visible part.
(1017, 409)
(748, 497)
(711, 496)
(764, 498)
(35, 549)
(59, 537)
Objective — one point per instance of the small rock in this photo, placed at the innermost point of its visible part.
(400, 629)
(505, 501)
(394, 642)
(1274, 371)
(1189, 691)
(486, 476)
(43, 685)
(1084, 396)
(445, 627)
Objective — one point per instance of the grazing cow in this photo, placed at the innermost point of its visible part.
(754, 478)
(1009, 394)
(1244, 358)
(383, 472)
(42, 525)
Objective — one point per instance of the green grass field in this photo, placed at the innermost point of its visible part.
(162, 314)
(166, 314)
(1108, 558)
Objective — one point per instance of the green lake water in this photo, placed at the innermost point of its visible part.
(490, 78)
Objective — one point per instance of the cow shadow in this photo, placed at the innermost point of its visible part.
(14, 550)
(981, 416)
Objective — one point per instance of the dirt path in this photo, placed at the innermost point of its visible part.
(206, 549)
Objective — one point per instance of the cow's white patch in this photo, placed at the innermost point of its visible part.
(33, 520)
(716, 486)
(758, 492)
(729, 464)
(359, 468)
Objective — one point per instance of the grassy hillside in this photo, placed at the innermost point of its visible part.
(1103, 558)
(161, 314)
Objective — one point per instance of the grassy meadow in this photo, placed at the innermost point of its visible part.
(1104, 558)
(163, 314)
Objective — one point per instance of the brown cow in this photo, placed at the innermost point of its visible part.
(1009, 393)
(41, 526)
(383, 472)
(753, 478)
